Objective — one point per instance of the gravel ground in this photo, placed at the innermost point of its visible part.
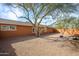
(33, 46)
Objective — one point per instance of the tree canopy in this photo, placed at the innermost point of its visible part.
(70, 22)
(35, 13)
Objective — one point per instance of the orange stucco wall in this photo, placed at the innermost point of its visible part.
(20, 31)
(69, 31)
(49, 30)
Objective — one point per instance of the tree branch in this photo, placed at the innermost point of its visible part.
(44, 16)
(34, 14)
(12, 11)
(25, 9)
(27, 19)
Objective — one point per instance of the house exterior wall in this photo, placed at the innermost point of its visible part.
(21, 30)
(69, 31)
(49, 30)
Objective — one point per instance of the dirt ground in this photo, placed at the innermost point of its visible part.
(32, 46)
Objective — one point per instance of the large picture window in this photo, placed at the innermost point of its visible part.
(7, 28)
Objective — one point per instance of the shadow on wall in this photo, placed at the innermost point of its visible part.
(56, 30)
(68, 31)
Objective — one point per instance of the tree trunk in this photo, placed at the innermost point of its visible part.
(37, 31)
(38, 34)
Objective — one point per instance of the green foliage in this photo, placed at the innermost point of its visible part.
(36, 12)
(67, 23)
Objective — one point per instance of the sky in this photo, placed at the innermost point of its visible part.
(5, 13)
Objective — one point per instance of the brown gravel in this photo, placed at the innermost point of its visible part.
(33, 46)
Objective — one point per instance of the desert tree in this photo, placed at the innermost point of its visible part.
(36, 12)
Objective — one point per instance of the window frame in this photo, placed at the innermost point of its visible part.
(4, 28)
